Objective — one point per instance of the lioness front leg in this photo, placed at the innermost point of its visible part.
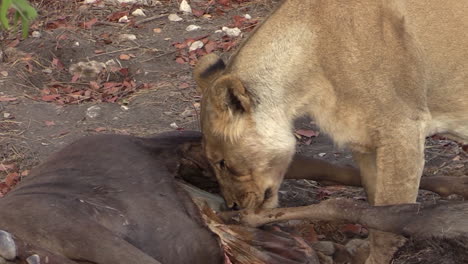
(391, 175)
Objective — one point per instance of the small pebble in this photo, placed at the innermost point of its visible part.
(127, 37)
(196, 45)
(232, 32)
(192, 28)
(185, 7)
(123, 19)
(138, 12)
(174, 18)
(36, 34)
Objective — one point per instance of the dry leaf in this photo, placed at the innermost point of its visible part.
(7, 167)
(49, 123)
(90, 23)
(124, 57)
(7, 99)
(50, 97)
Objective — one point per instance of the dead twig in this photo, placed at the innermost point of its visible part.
(149, 19)
(106, 23)
(112, 52)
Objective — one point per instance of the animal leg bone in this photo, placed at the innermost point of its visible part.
(444, 220)
(327, 173)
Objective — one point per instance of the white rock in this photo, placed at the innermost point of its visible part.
(185, 7)
(124, 107)
(322, 154)
(47, 71)
(174, 18)
(93, 112)
(8, 248)
(127, 37)
(247, 16)
(127, 1)
(174, 125)
(218, 31)
(192, 28)
(6, 115)
(123, 19)
(34, 259)
(90, 1)
(76, 44)
(36, 34)
(232, 32)
(138, 12)
(196, 45)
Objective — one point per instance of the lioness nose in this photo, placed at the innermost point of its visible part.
(268, 194)
(235, 207)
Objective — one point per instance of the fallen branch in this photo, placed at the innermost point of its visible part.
(149, 19)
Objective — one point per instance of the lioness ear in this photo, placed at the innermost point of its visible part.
(207, 70)
(231, 95)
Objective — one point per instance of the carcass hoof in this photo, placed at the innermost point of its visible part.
(7, 246)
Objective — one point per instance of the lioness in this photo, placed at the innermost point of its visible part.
(377, 75)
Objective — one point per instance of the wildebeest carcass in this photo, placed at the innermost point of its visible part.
(113, 199)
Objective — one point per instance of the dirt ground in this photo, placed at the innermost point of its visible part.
(146, 87)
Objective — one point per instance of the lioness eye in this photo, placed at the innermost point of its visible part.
(222, 164)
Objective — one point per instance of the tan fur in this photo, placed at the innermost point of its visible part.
(377, 75)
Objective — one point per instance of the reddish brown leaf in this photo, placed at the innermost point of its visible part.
(93, 85)
(75, 77)
(197, 12)
(124, 71)
(239, 21)
(100, 129)
(49, 123)
(12, 178)
(90, 23)
(180, 60)
(124, 57)
(184, 85)
(180, 45)
(3, 189)
(56, 63)
(14, 43)
(210, 46)
(112, 99)
(7, 167)
(109, 85)
(50, 97)
(115, 16)
(7, 99)
(224, 2)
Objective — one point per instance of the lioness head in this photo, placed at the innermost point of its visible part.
(248, 159)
